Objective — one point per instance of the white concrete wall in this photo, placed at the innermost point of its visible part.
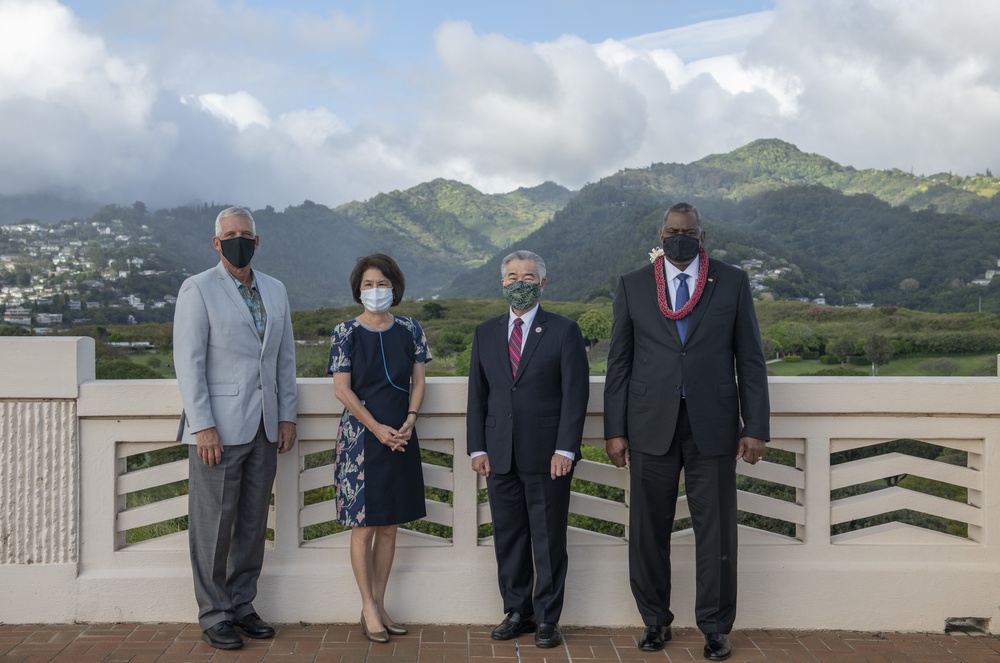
(884, 578)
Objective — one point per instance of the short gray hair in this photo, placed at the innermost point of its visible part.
(684, 208)
(234, 211)
(523, 255)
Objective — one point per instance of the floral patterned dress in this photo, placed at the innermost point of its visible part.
(375, 485)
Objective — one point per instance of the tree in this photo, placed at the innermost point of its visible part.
(909, 285)
(878, 350)
(793, 337)
(433, 310)
(842, 348)
(595, 327)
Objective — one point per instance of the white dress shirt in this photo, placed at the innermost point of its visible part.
(672, 281)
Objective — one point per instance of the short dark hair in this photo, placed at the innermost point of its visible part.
(684, 208)
(384, 264)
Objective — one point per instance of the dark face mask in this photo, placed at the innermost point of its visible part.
(681, 248)
(238, 250)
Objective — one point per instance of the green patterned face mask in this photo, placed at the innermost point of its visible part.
(522, 295)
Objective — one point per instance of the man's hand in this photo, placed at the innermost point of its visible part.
(618, 451)
(209, 446)
(286, 436)
(751, 449)
(481, 465)
(560, 466)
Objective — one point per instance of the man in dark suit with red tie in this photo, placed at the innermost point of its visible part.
(686, 388)
(528, 391)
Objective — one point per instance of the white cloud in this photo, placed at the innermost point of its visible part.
(72, 116)
(239, 108)
(176, 100)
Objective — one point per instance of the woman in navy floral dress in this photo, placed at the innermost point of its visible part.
(377, 361)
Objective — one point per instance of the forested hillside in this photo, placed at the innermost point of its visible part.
(436, 231)
(760, 203)
(803, 226)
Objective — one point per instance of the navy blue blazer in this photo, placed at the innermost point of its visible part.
(538, 411)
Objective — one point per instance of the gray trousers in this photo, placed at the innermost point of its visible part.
(227, 521)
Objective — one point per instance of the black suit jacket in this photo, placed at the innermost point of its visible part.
(539, 411)
(647, 365)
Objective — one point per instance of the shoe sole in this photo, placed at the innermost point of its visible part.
(219, 645)
(255, 637)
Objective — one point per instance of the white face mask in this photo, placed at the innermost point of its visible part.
(377, 300)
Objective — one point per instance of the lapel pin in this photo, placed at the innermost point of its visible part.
(538, 330)
(711, 280)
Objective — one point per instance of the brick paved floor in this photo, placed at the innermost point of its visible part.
(172, 643)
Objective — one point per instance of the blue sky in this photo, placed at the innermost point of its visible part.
(255, 102)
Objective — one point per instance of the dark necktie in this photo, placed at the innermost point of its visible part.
(682, 298)
(514, 346)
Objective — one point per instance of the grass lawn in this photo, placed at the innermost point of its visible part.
(906, 366)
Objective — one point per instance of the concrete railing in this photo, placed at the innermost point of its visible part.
(67, 492)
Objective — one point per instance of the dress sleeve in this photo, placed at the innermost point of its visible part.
(421, 351)
(340, 350)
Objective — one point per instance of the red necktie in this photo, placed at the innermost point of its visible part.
(514, 346)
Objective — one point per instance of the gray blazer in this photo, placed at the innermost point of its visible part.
(228, 377)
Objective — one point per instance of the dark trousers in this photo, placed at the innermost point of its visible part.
(227, 523)
(530, 516)
(710, 485)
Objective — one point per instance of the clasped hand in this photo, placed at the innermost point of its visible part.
(395, 439)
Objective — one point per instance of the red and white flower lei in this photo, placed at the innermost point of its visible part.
(661, 285)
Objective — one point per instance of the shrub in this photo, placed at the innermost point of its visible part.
(839, 371)
(810, 354)
(792, 358)
(124, 370)
(858, 361)
(829, 360)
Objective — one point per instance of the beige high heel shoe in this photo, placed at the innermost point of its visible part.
(377, 636)
(395, 629)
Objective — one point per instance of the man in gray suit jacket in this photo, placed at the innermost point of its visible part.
(235, 359)
(686, 388)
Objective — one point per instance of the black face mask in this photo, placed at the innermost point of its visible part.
(681, 248)
(238, 250)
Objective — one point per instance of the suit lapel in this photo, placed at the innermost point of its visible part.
(706, 296)
(531, 338)
(231, 289)
(652, 295)
(269, 308)
(503, 356)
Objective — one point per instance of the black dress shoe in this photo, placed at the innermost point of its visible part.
(653, 637)
(512, 626)
(548, 635)
(717, 647)
(222, 636)
(254, 627)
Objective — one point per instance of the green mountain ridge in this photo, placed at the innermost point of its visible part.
(808, 226)
(770, 164)
(767, 202)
